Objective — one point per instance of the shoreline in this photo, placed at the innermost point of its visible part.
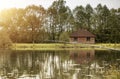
(59, 46)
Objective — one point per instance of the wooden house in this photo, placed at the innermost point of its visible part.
(82, 36)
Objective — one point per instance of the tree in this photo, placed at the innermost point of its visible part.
(83, 17)
(8, 22)
(97, 22)
(104, 28)
(79, 15)
(24, 25)
(101, 17)
(113, 23)
(35, 21)
(59, 16)
(51, 23)
(34, 24)
(89, 14)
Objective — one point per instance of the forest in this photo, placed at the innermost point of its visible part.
(35, 24)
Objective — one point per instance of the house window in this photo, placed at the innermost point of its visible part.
(75, 39)
(88, 38)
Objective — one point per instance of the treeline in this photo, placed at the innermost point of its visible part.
(35, 24)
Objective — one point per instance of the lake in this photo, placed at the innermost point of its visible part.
(64, 64)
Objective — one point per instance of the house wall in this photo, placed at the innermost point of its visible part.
(83, 40)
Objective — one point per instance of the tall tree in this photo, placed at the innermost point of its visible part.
(89, 15)
(113, 23)
(79, 15)
(51, 23)
(25, 25)
(105, 13)
(34, 21)
(9, 22)
(101, 17)
(59, 18)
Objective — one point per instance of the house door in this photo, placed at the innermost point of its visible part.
(75, 39)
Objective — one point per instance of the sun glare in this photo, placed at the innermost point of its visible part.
(5, 4)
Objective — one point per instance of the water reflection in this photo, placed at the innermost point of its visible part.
(82, 64)
(83, 56)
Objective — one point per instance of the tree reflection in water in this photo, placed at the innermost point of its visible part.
(81, 64)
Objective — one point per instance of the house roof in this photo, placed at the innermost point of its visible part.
(82, 33)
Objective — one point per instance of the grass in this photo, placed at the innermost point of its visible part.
(46, 46)
(60, 46)
(109, 45)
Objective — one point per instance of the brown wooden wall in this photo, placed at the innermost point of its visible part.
(83, 40)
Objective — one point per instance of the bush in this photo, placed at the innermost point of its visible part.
(64, 37)
(5, 41)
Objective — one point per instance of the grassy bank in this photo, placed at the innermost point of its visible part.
(46, 46)
(60, 46)
(109, 45)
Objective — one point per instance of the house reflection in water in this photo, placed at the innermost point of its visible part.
(82, 56)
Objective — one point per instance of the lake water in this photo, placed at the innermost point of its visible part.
(65, 64)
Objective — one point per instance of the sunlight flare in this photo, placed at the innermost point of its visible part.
(5, 4)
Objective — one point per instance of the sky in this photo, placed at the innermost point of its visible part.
(4, 4)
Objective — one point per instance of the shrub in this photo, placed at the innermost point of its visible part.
(64, 37)
(5, 41)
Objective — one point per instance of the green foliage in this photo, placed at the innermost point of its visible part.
(24, 25)
(64, 37)
(5, 41)
(79, 13)
(60, 17)
(34, 24)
